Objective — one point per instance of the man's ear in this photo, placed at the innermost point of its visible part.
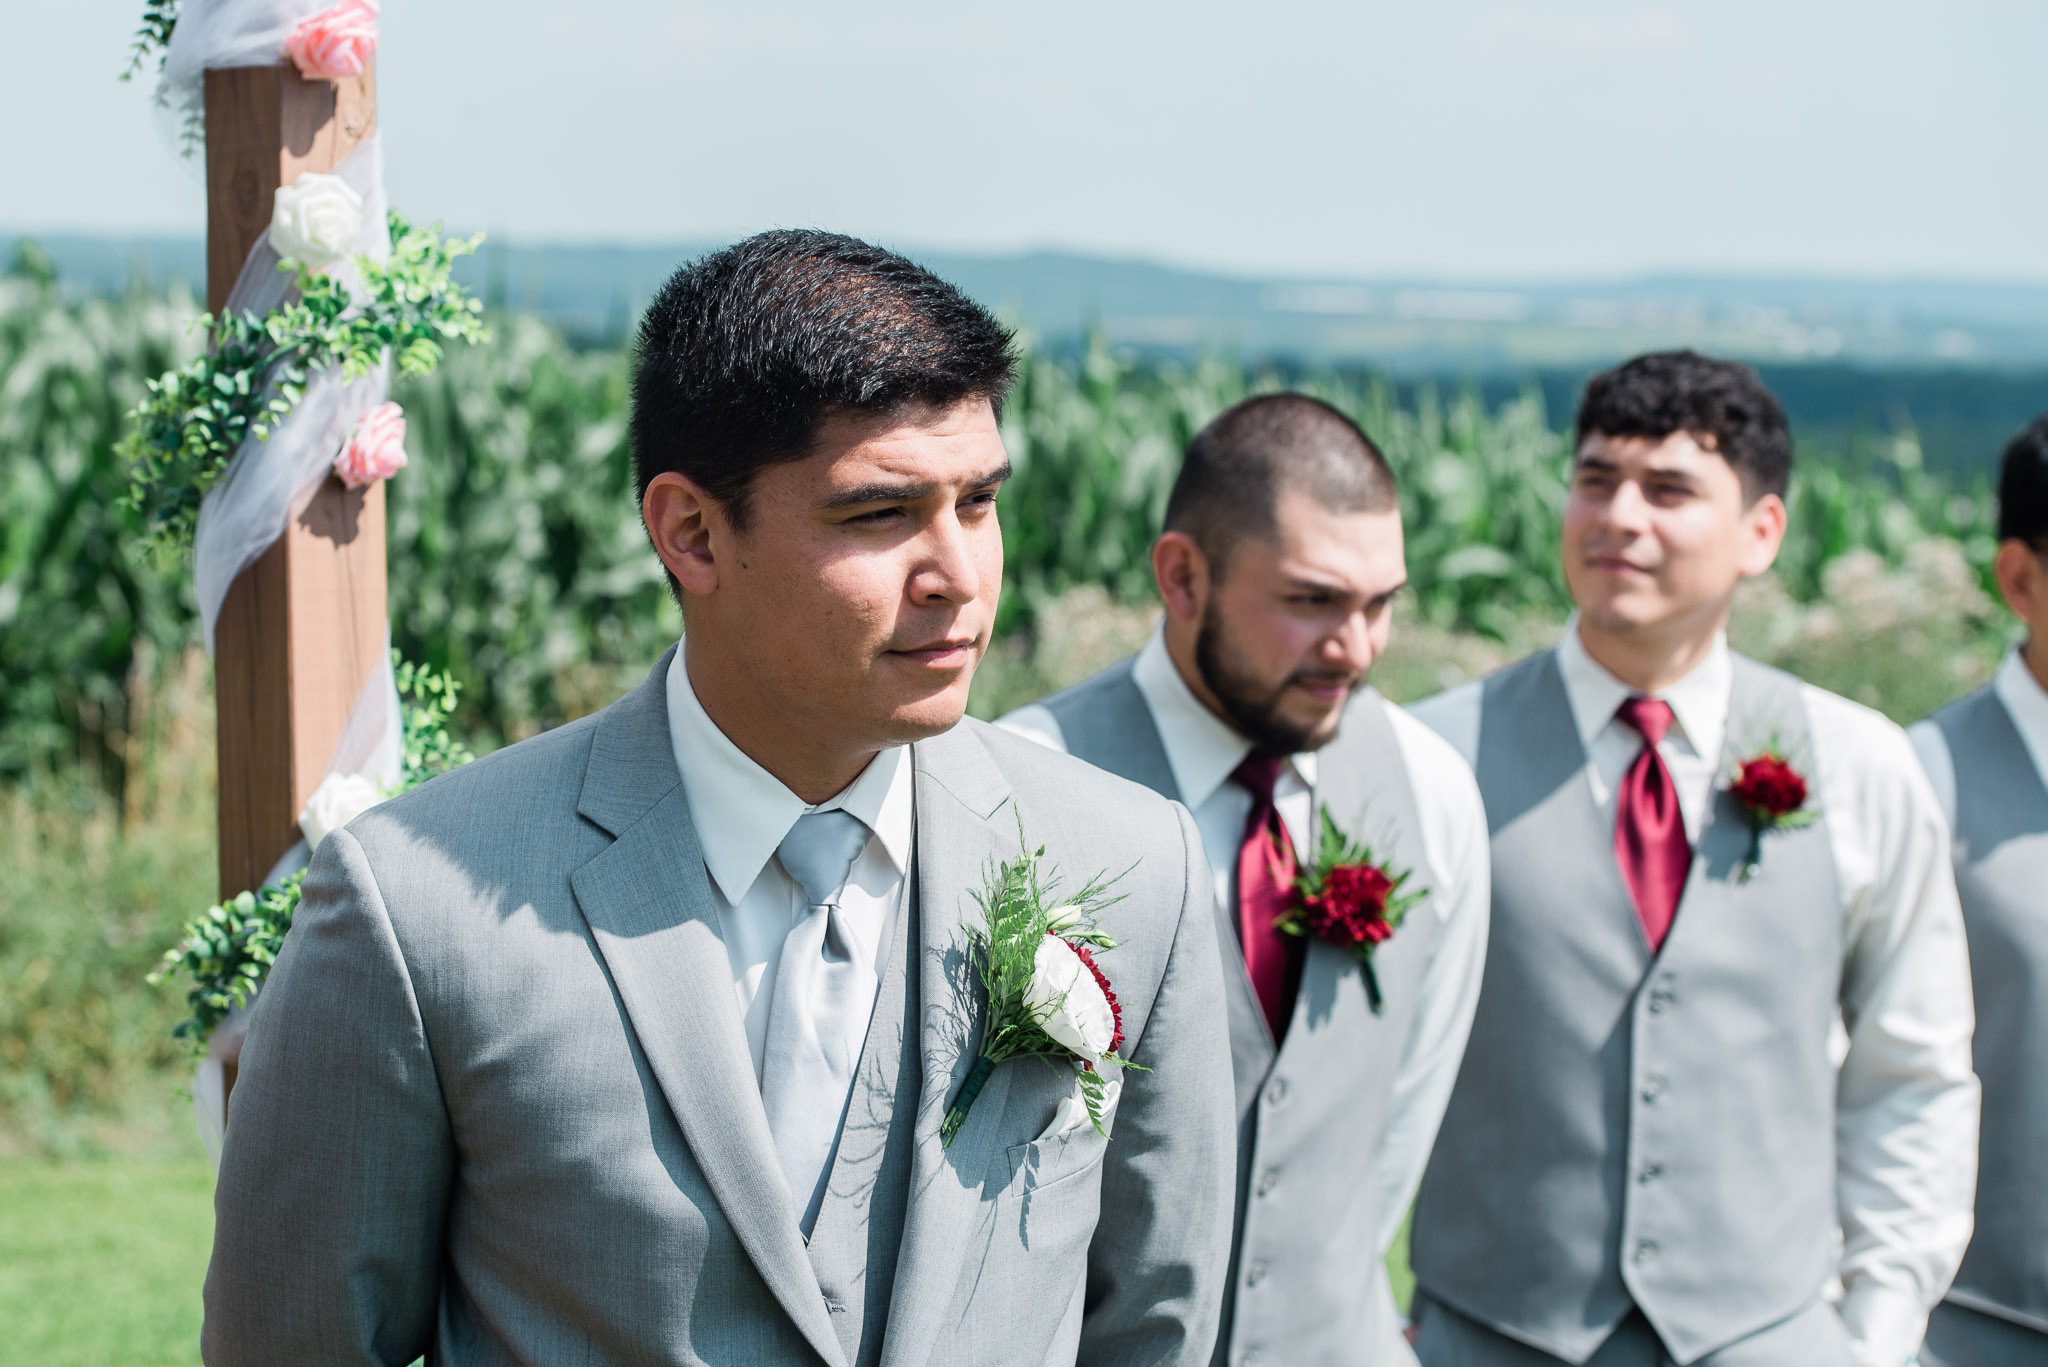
(1182, 572)
(680, 518)
(2022, 580)
(1763, 527)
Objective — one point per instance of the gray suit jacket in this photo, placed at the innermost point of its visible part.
(496, 1104)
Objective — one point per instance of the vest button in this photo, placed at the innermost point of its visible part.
(1646, 1252)
(1653, 1087)
(1658, 1001)
(1276, 1091)
(1267, 1180)
(1650, 1172)
(1248, 1360)
(1255, 1274)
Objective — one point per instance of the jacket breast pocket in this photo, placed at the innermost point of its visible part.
(1053, 1194)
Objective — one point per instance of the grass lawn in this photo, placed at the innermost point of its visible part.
(101, 1260)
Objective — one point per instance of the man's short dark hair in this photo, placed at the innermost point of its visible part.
(1237, 467)
(1723, 405)
(2023, 487)
(744, 353)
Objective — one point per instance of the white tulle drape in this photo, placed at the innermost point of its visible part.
(213, 35)
(243, 515)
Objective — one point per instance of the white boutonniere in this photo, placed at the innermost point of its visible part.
(1043, 994)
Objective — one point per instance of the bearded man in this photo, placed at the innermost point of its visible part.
(1279, 566)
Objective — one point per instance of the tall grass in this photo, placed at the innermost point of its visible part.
(517, 562)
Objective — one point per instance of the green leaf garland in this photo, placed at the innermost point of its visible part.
(256, 369)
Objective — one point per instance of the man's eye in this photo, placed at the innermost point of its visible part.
(874, 518)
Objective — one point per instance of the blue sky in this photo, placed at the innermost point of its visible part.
(1465, 139)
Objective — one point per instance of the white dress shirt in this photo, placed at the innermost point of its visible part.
(742, 812)
(1906, 1102)
(2026, 701)
(1202, 750)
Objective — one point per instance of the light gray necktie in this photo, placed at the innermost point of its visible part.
(818, 1019)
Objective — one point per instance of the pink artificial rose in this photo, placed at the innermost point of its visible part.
(376, 450)
(335, 42)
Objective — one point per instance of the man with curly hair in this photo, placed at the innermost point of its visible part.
(1717, 1107)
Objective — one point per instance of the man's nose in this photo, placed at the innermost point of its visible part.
(1349, 647)
(949, 571)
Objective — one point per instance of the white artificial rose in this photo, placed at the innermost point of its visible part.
(315, 220)
(1067, 1001)
(339, 799)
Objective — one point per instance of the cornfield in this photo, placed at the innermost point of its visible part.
(517, 561)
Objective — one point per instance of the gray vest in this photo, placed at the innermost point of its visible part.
(1313, 1115)
(2001, 858)
(1629, 1128)
(854, 1243)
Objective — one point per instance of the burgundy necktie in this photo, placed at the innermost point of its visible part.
(1265, 882)
(1649, 829)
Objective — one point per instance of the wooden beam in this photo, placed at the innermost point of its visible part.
(303, 629)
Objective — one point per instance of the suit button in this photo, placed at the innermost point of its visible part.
(1268, 1179)
(1255, 1274)
(1653, 1087)
(1660, 1000)
(1646, 1253)
(1649, 1172)
(1276, 1091)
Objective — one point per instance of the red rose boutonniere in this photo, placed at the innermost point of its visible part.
(1773, 795)
(1349, 899)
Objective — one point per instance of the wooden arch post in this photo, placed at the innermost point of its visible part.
(303, 629)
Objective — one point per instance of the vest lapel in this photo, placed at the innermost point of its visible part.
(964, 823)
(648, 900)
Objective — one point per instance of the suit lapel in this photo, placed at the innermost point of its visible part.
(964, 821)
(649, 903)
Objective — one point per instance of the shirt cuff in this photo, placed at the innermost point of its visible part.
(1885, 1325)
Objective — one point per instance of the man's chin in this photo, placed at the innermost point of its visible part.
(921, 718)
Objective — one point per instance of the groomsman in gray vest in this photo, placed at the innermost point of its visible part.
(1279, 565)
(1717, 1106)
(1987, 756)
(631, 1043)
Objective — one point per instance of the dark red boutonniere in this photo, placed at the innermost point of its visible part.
(1349, 899)
(1773, 795)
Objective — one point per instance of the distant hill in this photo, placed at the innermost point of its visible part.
(1965, 362)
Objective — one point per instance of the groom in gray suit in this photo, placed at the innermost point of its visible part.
(631, 1043)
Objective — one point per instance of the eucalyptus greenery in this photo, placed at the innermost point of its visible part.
(153, 35)
(1018, 910)
(430, 696)
(255, 370)
(227, 950)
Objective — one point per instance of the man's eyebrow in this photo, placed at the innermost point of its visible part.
(883, 491)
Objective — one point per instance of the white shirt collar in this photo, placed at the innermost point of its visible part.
(2027, 704)
(742, 812)
(1699, 701)
(1201, 748)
